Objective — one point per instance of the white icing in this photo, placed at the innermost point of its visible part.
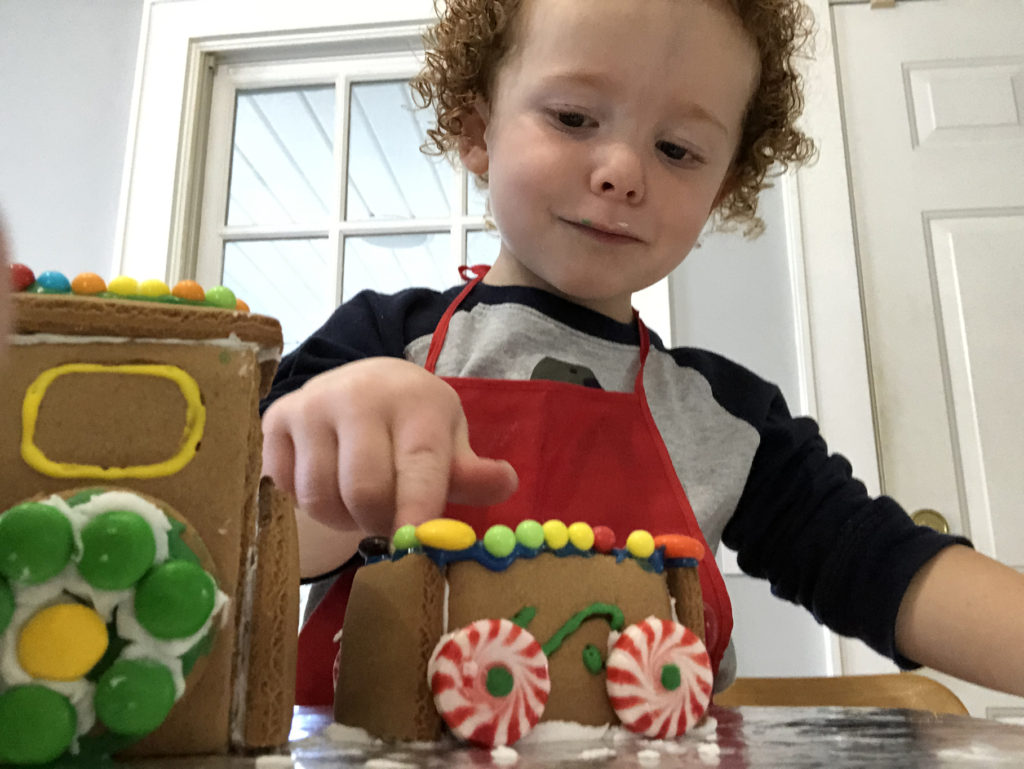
(444, 606)
(350, 734)
(709, 752)
(596, 754)
(120, 500)
(562, 731)
(503, 755)
(232, 340)
(239, 699)
(129, 629)
(274, 762)
(648, 757)
(387, 763)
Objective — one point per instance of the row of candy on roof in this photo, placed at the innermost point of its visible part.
(23, 279)
(446, 539)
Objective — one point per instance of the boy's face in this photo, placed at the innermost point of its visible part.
(613, 117)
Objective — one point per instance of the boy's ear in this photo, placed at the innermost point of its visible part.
(473, 141)
(728, 184)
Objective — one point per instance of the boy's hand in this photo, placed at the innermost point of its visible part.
(376, 444)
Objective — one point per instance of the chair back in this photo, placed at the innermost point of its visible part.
(897, 690)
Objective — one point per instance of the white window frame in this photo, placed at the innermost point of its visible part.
(342, 73)
(181, 44)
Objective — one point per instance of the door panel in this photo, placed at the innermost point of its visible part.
(932, 94)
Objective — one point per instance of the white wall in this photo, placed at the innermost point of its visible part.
(66, 73)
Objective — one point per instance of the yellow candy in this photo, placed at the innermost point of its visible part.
(122, 285)
(62, 643)
(446, 534)
(581, 535)
(640, 544)
(153, 288)
(556, 534)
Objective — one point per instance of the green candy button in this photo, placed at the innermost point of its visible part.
(134, 696)
(499, 541)
(530, 533)
(36, 725)
(6, 605)
(221, 296)
(117, 549)
(405, 538)
(175, 599)
(35, 543)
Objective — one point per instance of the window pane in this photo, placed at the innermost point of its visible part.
(389, 263)
(388, 176)
(482, 246)
(286, 279)
(282, 157)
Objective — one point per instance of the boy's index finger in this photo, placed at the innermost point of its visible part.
(423, 467)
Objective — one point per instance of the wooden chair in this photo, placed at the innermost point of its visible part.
(898, 690)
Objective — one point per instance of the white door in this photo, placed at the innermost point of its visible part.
(933, 94)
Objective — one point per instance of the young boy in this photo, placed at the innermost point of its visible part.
(608, 132)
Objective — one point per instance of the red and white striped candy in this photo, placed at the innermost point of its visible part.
(634, 678)
(458, 673)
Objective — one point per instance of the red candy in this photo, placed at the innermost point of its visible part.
(21, 277)
(604, 539)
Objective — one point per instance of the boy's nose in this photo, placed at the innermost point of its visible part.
(619, 174)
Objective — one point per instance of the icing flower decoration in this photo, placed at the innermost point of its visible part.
(103, 612)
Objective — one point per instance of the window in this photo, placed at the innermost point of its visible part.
(316, 189)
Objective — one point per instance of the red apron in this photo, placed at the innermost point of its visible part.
(581, 454)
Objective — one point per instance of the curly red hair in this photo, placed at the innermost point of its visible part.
(472, 38)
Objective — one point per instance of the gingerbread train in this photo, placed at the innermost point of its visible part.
(486, 638)
(148, 577)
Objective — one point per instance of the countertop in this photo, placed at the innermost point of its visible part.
(836, 738)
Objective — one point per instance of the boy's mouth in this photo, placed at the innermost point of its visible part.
(606, 233)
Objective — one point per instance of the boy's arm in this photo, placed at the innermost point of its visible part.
(963, 614)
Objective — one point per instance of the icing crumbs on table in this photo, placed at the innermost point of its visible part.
(274, 762)
(596, 754)
(503, 755)
(648, 757)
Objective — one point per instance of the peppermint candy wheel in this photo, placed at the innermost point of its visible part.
(659, 678)
(490, 682)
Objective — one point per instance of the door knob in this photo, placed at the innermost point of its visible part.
(933, 519)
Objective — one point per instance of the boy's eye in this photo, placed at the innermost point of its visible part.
(572, 119)
(673, 151)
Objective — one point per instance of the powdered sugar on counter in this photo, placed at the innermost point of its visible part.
(504, 755)
(597, 754)
(709, 752)
(274, 762)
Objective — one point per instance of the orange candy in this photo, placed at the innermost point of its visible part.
(679, 546)
(88, 283)
(189, 289)
(241, 306)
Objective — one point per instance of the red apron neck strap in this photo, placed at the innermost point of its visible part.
(474, 274)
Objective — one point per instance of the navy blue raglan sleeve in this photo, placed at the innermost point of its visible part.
(809, 527)
(368, 325)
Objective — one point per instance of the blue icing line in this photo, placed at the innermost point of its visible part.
(657, 562)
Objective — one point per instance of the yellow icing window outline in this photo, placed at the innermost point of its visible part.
(195, 421)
